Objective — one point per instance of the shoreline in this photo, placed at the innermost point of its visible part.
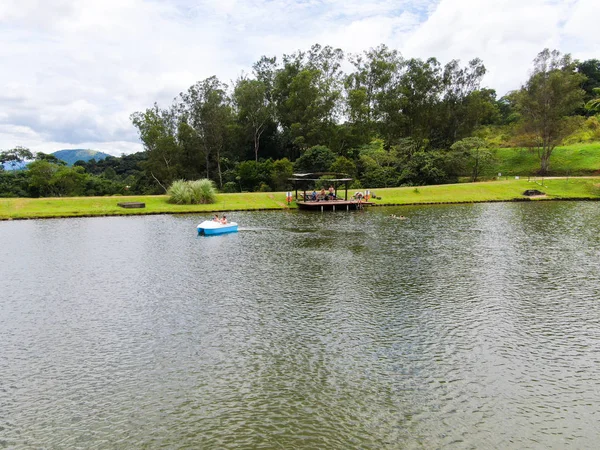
(559, 189)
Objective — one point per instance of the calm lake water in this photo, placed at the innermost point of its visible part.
(474, 326)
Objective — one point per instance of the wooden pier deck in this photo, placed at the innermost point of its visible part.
(332, 205)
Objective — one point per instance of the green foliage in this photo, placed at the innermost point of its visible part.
(15, 157)
(472, 153)
(14, 184)
(203, 191)
(282, 170)
(251, 174)
(591, 70)
(344, 165)
(316, 159)
(594, 103)
(389, 121)
(551, 93)
(196, 192)
(230, 187)
(180, 192)
(254, 109)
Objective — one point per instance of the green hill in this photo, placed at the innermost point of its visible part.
(79, 154)
(574, 160)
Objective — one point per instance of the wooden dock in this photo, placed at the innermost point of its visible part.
(332, 205)
(328, 199)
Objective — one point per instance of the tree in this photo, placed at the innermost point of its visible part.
(373, 93)
(421, 87)
(476, 154)
(206, 108)
(15, 157)
(307, 98)
(157, 129)
(316, 159)
(254, 109)
(551, 93)
(591, 69)
(459, 85)
(282, 171)
(594, 104)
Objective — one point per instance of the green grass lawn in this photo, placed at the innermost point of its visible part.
(505, 190)
(23, 208)
(576, 159)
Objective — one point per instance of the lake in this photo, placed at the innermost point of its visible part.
(460, 326)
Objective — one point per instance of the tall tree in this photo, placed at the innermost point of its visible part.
(591, 69)
(254, 109)
(206, 108)
(372, 90)
(459, 84)
(420, 86)
(474, 152)
(157, 129)
(551, 93)
(307, 94)
(15, 157)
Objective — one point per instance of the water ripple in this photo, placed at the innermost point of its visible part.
(470, 326)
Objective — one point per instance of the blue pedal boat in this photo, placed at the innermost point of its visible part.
(210, 227)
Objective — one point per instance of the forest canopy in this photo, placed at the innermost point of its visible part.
(386, 121)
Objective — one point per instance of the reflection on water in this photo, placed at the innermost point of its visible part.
(471, 326)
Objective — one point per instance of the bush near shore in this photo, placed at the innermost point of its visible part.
(503, 190)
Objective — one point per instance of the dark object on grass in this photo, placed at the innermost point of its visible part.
(530, 192)
(132, 205)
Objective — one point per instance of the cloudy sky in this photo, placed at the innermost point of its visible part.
(74, 70)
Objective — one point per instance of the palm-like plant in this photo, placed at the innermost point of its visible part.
(594, 104)
(191, 192)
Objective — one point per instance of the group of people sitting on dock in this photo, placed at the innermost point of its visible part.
(222, 220)
(323, 195)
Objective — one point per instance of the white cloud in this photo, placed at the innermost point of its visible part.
(75, 70)
(506, 34)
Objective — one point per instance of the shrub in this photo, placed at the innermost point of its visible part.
(180, 193)
(195, 192)
(230, 187)
(356, 184)
(203, 191)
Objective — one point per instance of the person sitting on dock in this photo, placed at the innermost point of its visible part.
(323, 194)
(224, 220)
(313, 196)
(331, 195)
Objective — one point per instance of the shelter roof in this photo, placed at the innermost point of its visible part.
(320, 176)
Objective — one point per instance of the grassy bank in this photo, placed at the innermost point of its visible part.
(576, 159)
(505, 190)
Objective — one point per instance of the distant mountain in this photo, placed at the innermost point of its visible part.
(79, 154)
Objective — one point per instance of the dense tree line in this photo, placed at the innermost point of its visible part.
(390, 121)
(47, 176)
